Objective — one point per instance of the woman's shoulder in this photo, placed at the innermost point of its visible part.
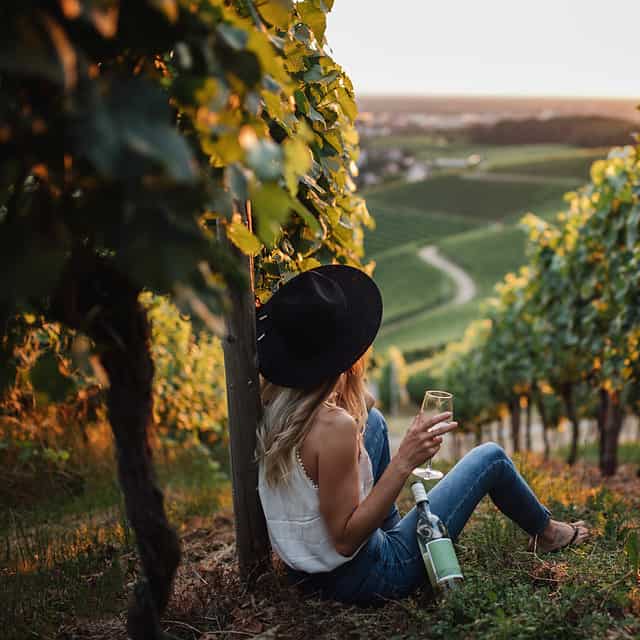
(335, 423)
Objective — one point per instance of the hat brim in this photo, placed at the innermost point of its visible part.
(358, 329)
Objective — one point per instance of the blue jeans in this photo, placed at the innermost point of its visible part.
(389, 565)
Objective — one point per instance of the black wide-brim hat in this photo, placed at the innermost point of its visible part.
(317, 326)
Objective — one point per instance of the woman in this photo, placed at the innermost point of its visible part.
(327, 482)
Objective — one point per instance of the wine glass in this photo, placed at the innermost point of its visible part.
(434, 402)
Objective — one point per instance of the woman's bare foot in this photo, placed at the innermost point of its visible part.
(558, 535)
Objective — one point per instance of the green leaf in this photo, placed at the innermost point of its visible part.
(265, 158)
(316, 116)
(271, 207)
(159, 249)
(315, 74)
(242, 238)
(298, 160)
(302, 103)
(126, 132)
(277, 12)
(237, 183)
(308, 217)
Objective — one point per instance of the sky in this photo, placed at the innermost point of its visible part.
(492, 47)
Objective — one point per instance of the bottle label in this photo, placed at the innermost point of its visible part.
(441, 560)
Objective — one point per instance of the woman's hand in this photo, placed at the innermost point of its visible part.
(419, 444)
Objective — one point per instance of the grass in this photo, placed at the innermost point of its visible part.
(487, 254)
(70, 556)
(486, 251)
(480, 200)
(574, 165)
(579, 593)
(426, 149)
(410, 285)
(431, 328)
(397, 226)
(586, 592)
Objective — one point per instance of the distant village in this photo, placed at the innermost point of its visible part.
(379, 163)
(413, 139)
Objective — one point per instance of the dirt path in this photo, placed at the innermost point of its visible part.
(465, 285)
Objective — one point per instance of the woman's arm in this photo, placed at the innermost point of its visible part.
(348, 521)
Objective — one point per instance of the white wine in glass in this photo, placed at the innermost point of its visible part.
(434, 402)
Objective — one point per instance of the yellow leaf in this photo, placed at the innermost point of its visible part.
(243, 239)
(277, 12)
(298, 161)
(314, 17)
(270, 62)
(228, 148)
(309, 263)
(274, 104)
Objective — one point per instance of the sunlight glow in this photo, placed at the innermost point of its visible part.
(462, 47)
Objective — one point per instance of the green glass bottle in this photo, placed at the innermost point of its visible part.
(435, 545)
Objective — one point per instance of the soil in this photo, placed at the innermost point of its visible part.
(210, 603)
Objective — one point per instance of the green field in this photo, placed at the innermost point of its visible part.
(425, 148)
(474, 223)
(573, 166)
(479, 200)
(487, 253)
(409, 285)
(397, 226)
(429, 329)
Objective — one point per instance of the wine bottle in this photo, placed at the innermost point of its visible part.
(435, 545)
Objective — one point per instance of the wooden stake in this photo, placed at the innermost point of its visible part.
(245, 409)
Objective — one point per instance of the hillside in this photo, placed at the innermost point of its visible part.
(472, 217)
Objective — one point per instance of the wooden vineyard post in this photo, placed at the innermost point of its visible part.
(244, 408)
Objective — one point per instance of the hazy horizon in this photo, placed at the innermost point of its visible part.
(512, 96)
(555, 48)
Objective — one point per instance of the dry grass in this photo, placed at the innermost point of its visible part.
(579, 593)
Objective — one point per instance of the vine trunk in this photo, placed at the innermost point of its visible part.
(95, 298)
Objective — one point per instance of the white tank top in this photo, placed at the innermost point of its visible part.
(297, 531)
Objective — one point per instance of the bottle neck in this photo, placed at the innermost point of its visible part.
(423, 507)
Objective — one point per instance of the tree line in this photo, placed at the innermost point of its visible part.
(563, 333)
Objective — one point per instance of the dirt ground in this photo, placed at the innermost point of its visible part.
(209, 602)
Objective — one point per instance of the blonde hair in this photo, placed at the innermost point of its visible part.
(289, 414)
(351, 391)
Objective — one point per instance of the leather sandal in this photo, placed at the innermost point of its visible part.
(533, 543)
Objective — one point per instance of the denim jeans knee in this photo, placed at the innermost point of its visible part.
(491, 450)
